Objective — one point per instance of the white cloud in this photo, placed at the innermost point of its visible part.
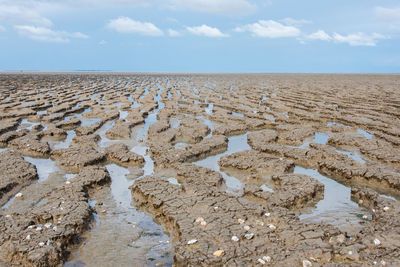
(103, 42)
(15, 14)
(2, 29)
(127, 25)
(205, 30)
(319, 35)
(389, 15)
(359, 39)
(295, 22)
(224, 7)
(269, 29)
(47, 35)
(173, 33)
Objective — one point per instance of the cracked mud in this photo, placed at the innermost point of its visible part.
(199, 170)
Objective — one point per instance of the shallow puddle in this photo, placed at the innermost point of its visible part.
(67, 142)
(235, 144)
(44, 167)
(336, 207)
(365, 133)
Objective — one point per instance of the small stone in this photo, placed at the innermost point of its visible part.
(365, 217)
(261, 261)
(272, 227)
(341, 238)
(267, 214)
(377, 242)
(199, 220)
(360, 201)
(249, 236)
(67, 182)
(47, 225)
(267, 258)
(28, 237)
(41, 244)
(216, 207)
(39, 228)
(241, 221)
(386, 209)
(246, 228)
(192, 241)
(8, 216)
(30, 227)
(235, 238)
(259, 223)
(383, 263)
(104, 211)
(219, 253)
(307, 263)
(55, 228)
(160, 264)
(19, 195)
(203, 223)
(350, 252)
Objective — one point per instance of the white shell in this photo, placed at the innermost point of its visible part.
(249, 236)
(307, 263)
(267, 258)
(235, 238)
(272, 227)
(261, 261)
(192, 241)
(377, 242)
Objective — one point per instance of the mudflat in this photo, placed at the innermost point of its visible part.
(123, 169)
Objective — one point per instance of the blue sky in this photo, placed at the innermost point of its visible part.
(201, 35)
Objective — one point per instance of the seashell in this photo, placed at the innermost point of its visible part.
(241, 221)
(199, 220)
(272, 227)
(246, 228)
(19, 195)
(235, 238)
(192, 241)
(267, 214)
(386, 209)
(261, 261)
(307, 263)
(219, 253)
(47, 225)
(249, 236)
(267, 258)
(28, 237)
(377, 242)
(203, 223)
(41, 244)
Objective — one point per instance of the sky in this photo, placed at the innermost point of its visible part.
(358, 36)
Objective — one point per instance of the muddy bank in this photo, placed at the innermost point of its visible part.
(199, 170)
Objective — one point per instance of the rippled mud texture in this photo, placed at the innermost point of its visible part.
(199, 170)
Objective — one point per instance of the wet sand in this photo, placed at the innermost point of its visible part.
(117, 169)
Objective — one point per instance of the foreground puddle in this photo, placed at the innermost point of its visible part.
(235, 144)
(121, 235)
(44, 167)
(336, 207)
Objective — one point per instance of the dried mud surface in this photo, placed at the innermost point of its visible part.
(199, 170)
